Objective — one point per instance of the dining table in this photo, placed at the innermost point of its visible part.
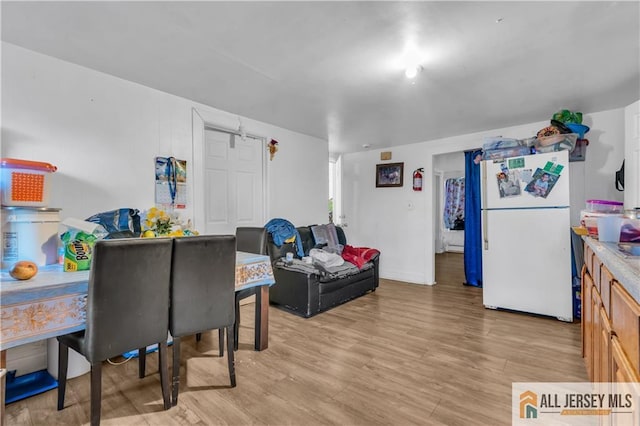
(54, 302)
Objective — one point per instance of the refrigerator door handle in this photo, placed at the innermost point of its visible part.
(485, 233)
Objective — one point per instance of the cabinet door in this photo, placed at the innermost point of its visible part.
(583, 298)
(605, 288)
(596, 335)
(625, 381)
(605, 347)
(625, 320)
(587, 322)
(588, 262)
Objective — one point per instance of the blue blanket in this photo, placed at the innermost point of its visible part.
(281, 230)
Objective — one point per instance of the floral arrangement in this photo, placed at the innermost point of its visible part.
(159, 223)
(273, 148)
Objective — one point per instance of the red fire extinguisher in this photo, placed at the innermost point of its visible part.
(417, 179)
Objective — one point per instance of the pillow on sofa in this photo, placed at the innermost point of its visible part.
(326, 235)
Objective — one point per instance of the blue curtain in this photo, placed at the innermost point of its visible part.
(472, 230)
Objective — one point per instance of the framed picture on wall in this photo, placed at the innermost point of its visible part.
(389, 175)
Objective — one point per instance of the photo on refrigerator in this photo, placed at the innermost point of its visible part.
(542, 182)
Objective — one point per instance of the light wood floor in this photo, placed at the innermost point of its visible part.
(404, 355)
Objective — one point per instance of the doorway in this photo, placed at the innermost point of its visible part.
(233, 182)
(449, 238)
(449, 199)
(229, 178)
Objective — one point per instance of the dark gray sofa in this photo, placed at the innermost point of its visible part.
(307, 294)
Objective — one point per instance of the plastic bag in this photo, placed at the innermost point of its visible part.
(78, 238)
(116, 221)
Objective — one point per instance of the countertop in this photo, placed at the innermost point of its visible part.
(624, 267)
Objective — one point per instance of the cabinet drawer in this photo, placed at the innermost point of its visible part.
(605, 289)
(625, 323)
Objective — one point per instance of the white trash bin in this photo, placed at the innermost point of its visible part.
(29, 233)
(78, 364)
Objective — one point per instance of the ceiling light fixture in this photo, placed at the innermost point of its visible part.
(412, 71)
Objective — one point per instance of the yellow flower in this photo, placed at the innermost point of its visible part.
(162, 223)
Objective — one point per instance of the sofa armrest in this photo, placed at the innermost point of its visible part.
(376, 266)
(296, 291)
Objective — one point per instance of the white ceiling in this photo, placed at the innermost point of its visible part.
(332, 69)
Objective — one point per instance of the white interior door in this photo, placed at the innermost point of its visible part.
(632, 156)
(233, 182)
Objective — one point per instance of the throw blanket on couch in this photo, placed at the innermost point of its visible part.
(325, 258)
(358, 255)
(326, 274)
(282, 230)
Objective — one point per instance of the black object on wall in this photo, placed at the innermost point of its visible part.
(620, 178)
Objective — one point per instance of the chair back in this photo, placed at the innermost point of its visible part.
(202, 284)
(251, 239)
(128, 296)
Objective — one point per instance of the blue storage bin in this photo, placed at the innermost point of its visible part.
(576, 289)
(27, 385)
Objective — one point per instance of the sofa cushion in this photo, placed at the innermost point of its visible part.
(346, 270)
(326, 235)
(328, 286)
(324, 274)
(307, 239)
(308, 242)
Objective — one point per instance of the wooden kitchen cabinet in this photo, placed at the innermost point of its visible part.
(587, 321)
(605, 347)
(622, 370)
(596, 336)
(610, 325)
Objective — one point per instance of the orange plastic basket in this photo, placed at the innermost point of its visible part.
(25, 183)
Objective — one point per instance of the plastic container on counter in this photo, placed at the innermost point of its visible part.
(25, 183)
(29, 233)
(589, 219)
(630, 231)
(604, 206)
(609, 228)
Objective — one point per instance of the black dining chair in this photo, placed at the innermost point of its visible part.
(127, 309)
(202, 294)
(250, 240)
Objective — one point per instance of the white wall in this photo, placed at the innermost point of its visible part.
(451, 164)
(103, 133)
(399, 221)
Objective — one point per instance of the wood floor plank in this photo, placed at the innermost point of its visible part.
(405, 354)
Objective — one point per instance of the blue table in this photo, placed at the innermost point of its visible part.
(53, 302)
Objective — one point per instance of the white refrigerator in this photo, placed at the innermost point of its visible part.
(526, 257)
